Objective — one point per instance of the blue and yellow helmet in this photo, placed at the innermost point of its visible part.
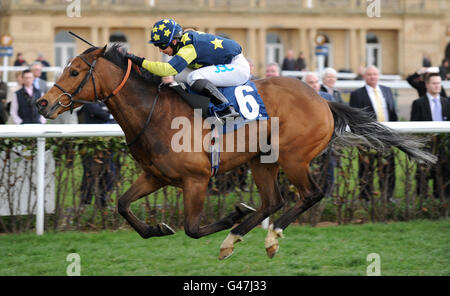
(164, 31)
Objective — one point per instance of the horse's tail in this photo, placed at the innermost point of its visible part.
(353, 127)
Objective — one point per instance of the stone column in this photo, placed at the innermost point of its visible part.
(260, 63)
(251, 44)
(303, 39)
(94, 36)
(362, 47)
(311, 64)
(353, 49)
(105, 35)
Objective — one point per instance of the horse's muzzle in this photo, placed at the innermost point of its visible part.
(42, 106)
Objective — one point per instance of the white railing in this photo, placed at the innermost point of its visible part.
(42, 131)
(6, 69)
(392, 81)
(339, 75)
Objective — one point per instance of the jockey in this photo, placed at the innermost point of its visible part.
(203, 61)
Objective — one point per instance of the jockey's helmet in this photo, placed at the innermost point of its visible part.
(164, 31)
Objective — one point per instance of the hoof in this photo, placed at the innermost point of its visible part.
(165, 229)
(225, 253)
(272, 250)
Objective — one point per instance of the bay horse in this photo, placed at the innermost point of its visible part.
(144, 110)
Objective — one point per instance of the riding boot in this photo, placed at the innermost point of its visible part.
(205, 87)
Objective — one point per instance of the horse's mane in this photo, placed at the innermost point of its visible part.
(115, 54)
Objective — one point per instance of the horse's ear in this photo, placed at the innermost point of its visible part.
(104, 50)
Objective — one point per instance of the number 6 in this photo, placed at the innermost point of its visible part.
(246, 101)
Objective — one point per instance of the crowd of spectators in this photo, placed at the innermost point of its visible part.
(17, 106)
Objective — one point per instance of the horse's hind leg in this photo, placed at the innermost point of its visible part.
(311, 194)
(194, 193)
(265, 176)
(143, 186)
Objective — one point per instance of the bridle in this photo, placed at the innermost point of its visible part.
(90, 74)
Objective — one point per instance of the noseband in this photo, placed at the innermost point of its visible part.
(90, 74)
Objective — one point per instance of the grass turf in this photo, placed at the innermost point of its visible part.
(412, 248)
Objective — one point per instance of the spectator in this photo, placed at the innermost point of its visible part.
(3, 93)
(20, 61)
(360, 75)
(444, 70)
(416, 80)
(99, 170)
(328, 161)
(432, 107)
(252, 69)
(379, 102)
(289, 62)
(44, 63)
(301, 62)
(40, 84)
(23, 104)
(272, 70)
(11, 94)
(426, 62)
(329, 78)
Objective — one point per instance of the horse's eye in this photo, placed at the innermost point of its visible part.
(73, 73)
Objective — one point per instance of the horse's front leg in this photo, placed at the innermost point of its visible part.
(144, 185)
(194, 193)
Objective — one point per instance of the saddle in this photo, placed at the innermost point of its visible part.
(244, 98)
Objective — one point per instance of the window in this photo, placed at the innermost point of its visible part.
(274, 49)
(373, 51)
(65, 49)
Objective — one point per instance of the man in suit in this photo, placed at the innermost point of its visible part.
(99, 169)
(38, 83)
(329, 78)
(379, 102)
(432, 107)
(328, 161)
(416, 80)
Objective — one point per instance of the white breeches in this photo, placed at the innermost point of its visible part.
(235, 73)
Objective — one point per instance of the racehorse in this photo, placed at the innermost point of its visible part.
(144, 110)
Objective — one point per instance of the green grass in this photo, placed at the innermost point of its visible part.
(413, 248)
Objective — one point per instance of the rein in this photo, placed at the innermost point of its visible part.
(90, 74)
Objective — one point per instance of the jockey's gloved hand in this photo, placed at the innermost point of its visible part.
(135, 59)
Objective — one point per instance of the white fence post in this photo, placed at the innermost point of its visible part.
(40, 175)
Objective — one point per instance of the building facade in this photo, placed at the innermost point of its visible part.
(392, 34)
